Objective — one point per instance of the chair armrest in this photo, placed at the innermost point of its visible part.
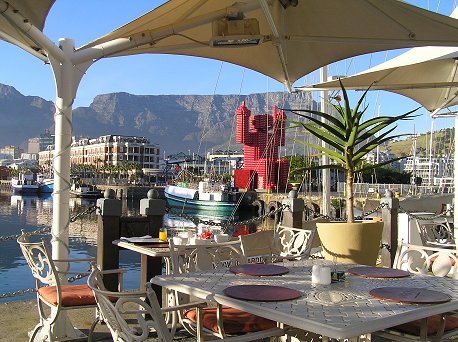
(75, 260)
(123, 294)
(184, 306)
(73, 272)
(113, 271)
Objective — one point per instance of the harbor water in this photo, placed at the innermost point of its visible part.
(33, 212)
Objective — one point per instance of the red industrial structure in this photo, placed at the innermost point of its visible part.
(261, 135)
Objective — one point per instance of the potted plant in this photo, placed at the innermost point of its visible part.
(350, 139)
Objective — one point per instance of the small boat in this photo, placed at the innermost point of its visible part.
(45, 185)
(24, 183)
(84, 191)
(209, 198)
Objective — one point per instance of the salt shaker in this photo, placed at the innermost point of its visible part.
(316, 274)
(325, 275)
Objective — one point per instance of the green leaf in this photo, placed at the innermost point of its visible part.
(322, 134)
(326, 116)
(338, 157)
(374, 166)
(339, 133)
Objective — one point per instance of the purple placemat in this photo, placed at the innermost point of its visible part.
(377, 272)
(262, 293)
(410, 295)
(259, 269)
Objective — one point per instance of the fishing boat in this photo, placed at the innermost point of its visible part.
(45, 184)
(24, 183)
(208, 198)
(84, 191)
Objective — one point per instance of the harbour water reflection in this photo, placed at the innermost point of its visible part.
(30, 213)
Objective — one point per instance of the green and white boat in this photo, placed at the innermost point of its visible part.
(208, 198)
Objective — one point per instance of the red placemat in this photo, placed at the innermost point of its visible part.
(262, 293)
(410, 295)
(259, 269)
(377, 272)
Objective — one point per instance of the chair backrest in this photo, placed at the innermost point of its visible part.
(130, 318)
(417, 259)
(435, 232)
(258, 247)
(293, 242)
(40, 262)
(190, 258)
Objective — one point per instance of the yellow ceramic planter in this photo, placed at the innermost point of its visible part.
(357, 242)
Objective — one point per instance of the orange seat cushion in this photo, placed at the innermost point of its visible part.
(434, 257)
(72, 295)
(413, 328)
(234, 321)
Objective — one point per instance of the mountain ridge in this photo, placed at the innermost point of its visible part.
(174, 122)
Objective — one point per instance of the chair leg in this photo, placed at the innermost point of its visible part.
(441, 329)
(199, 324)
(91, 330)
(34, 332)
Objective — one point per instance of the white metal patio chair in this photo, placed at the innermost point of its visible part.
(293, 243)
(435, 233)
(219, 321)
(258, 247)
(282, 243)
(52, 297)
(131, 316)
(437, 261)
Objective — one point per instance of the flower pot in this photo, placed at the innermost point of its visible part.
(357, 242)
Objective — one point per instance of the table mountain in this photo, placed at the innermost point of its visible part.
(175, 122)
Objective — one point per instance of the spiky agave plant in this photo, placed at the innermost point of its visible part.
(349, 137)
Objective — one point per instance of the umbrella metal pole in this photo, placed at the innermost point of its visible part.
(67, 77)
(455, 182)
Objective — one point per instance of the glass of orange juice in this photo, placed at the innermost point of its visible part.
(163, 234)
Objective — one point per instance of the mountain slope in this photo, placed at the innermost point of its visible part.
(175, 122)
(22, 117)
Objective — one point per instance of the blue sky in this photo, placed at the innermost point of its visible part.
(167, 74)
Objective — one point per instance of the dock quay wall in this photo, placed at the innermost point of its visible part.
(132, 191)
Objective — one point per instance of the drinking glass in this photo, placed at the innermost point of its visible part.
(163, 234)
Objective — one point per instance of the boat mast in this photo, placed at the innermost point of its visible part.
(326, 173)
(430, 154)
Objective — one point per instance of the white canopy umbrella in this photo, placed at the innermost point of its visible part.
(428, 75)
(284, 39)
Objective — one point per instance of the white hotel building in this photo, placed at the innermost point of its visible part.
(108, 149)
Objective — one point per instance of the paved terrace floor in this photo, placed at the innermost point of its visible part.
(19, 317)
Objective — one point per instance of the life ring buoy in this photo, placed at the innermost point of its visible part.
(259, 206)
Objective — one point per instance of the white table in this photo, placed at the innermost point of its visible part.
(339, 310)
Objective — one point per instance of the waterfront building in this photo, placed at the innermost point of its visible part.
(40, 143)
(224, 161)
(218, 162)
(23, 164)
(376, 157)
(429, 171)
(13, 151)
(33, 145)
(192, 162)
(109, 150)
